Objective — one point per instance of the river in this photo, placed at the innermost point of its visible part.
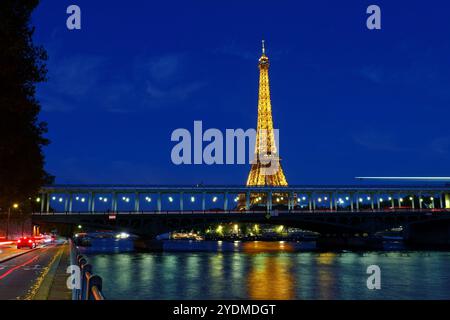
(269, 270)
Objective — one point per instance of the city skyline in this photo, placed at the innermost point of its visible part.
(378, 109)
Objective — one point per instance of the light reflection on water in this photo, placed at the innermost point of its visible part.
(258, 271)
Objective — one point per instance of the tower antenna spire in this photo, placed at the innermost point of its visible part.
(263, 47)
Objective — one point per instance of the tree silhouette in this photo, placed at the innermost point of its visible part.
(22, 66)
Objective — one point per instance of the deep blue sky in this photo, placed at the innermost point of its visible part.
(348, 101)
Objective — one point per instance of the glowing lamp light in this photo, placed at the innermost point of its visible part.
(361, 200)
(170, 199)
(38, 200)
(53, 198)
(304, 198)
(15, 205)
(192, 199)
(214, 199)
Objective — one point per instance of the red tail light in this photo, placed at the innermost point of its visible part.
(29, 241)
(19, 241)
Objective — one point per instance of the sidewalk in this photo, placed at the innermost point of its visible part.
(53, 285)
(10, 251)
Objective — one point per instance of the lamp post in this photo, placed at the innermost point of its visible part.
(15, 206)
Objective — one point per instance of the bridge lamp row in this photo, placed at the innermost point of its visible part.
(126, 199)
(236, 199)
(80, 199)
(148, 199)
(103, 199)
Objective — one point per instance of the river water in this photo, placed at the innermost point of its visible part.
(269, 270)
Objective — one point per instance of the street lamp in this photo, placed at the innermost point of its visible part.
(15, 206)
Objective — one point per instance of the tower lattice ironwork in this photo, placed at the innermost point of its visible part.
(266, 168)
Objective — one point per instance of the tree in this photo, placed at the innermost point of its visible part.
(22, 66)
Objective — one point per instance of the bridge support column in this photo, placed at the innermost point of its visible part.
(225, 201)
(378, 202)
(203, 201)
(392, 201)
(292, 200)
(114, 202)
(310, 201)
(413, 204)
(372, 203)
(269, 201)
(137, 199)
(47, 202)
(441, 200)
(447, 201)
(181, 201)
(91, 202)
(159, 204)
(357, 202)
(314, 201)
(42, 195)
(66, 202)
(352, 196)
(70, 202)
(247, 201)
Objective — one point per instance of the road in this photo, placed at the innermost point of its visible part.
(20, 277)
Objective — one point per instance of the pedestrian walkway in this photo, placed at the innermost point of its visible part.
(9, 251)
(53, 284)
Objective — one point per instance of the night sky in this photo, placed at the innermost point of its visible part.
(348, 101)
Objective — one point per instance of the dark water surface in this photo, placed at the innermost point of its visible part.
(261, 270)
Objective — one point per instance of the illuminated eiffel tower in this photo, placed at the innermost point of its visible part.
(266, 168)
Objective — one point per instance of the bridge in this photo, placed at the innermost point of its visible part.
(148, 211)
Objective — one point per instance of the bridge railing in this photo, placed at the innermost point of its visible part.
(90, 284)
(112, 214)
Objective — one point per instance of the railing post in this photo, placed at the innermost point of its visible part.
(91, 282)
(85, 269)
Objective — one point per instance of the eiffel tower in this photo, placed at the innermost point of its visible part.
(266, 168)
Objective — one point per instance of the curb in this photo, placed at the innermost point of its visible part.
(17, 255)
